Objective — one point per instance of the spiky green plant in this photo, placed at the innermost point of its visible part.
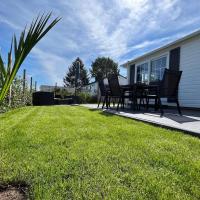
(27, 41)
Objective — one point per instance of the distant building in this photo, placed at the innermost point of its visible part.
(122, 80)
(49, 88)
(93, 88)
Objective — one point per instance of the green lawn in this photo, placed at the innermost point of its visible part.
(65, 152)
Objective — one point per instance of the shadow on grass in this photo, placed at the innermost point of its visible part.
(102, 112)
(94, 109)
(107, 114)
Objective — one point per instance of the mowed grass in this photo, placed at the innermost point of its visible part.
(70, 152)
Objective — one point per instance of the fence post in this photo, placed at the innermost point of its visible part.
(35, 86)
(24, 85)
(31, 84)
(24, 80)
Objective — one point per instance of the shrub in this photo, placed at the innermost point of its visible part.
(19, 98)
(62, 92)
(85, 97)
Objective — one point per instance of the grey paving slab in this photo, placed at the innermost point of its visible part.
(189, 122)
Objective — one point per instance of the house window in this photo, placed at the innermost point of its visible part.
(157, 68)
(142, 73)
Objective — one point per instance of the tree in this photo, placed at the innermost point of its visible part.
(103, 66)
(69, 79)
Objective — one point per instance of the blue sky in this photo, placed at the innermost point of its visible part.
(120, 29)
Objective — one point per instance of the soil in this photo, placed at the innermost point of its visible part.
(12, 194)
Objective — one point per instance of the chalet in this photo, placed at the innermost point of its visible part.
(182, 54)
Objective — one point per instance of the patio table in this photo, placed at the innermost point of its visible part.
(131, 87)
(140, 90)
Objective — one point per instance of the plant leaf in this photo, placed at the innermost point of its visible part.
(27, 41)
(2, 67)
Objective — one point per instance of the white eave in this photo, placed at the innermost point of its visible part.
(194, 34)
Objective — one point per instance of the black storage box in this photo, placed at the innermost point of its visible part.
(43, 98)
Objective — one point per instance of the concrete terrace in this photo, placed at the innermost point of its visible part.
(189, 122)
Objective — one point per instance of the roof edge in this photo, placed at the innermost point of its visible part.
(186, 37)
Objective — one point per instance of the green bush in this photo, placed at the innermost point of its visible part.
(18, 97)
(85, 97)
(63, 92)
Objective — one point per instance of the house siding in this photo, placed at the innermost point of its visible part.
(189, 87)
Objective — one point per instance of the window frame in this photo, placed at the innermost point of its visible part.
(157, 58)
(139, 64)
(148, 60)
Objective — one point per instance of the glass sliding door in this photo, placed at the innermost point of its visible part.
(142, 73)
(157, 68)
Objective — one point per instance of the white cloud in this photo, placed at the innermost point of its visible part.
(53, 65)
(115, 28)
(8, 23)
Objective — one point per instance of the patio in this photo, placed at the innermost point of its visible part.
(189, 122)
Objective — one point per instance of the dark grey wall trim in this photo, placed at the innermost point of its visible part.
(132, 74)
(174, 64)
(174, 59)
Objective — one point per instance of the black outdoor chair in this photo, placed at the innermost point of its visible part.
(104, 92)
(116, 92)
(140, 94)
(168, 88)
(153, 88)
